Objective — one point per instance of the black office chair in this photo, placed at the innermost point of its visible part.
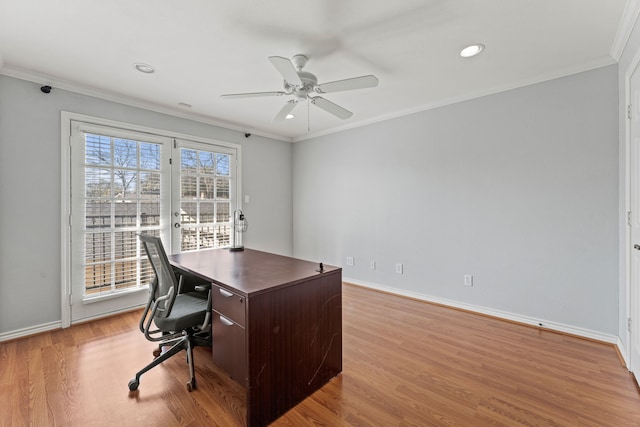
(182, 320)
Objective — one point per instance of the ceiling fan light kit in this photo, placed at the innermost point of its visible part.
(301, 84)
(472, 50)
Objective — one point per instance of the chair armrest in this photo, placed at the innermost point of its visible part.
(202, 287)
(205, 287)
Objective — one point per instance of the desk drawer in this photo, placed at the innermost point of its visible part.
(228, 304)
(229, 348)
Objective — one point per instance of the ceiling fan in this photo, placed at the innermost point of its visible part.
(301, 84)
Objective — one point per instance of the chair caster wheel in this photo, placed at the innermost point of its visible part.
(133, 384)
(192, 385)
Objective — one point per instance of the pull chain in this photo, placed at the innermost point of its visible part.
(308, 115)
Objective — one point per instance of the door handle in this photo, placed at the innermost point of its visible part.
(636, 246)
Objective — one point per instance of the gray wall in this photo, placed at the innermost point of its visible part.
(519, 189)
(30, 193)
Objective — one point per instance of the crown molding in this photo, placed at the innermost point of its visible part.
(602, 62)
(628, 21)
(63, 84)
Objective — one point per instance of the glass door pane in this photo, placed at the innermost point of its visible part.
(203, 202)
(116, 193)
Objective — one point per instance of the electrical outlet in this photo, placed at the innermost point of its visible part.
(468, 280)
(350, 260)
(372, 264)
(399, 268)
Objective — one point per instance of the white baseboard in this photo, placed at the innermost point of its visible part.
(24, 332)
(21, 333)
(623, 353)
(541, 323)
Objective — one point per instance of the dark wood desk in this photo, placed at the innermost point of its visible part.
(277, 324)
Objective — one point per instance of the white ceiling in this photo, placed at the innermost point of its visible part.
(204, 48)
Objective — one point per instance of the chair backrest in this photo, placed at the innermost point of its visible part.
(165, 285)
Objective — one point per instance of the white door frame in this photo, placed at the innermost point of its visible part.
(65, 182)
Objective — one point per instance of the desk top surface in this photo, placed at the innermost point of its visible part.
(248, 271)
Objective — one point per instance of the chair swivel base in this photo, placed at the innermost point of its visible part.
(182, 344)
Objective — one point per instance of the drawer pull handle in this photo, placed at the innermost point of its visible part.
(225, 321)
(225, 293)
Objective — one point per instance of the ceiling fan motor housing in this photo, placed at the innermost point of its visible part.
(309, 82)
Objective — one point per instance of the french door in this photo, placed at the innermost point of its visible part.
(126, 182)
(203, 196)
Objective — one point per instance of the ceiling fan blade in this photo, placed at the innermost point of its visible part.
(331, 108)
(252, 95)
(288, 107)
(348, 84)
(286, 68)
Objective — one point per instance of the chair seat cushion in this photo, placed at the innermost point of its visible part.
(188, 311)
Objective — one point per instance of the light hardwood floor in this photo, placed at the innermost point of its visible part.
(405, 363)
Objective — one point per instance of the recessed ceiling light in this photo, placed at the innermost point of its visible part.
(471, 50)
(144, 68)
(289, 116)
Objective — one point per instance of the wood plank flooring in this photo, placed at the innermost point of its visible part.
(406, 363)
